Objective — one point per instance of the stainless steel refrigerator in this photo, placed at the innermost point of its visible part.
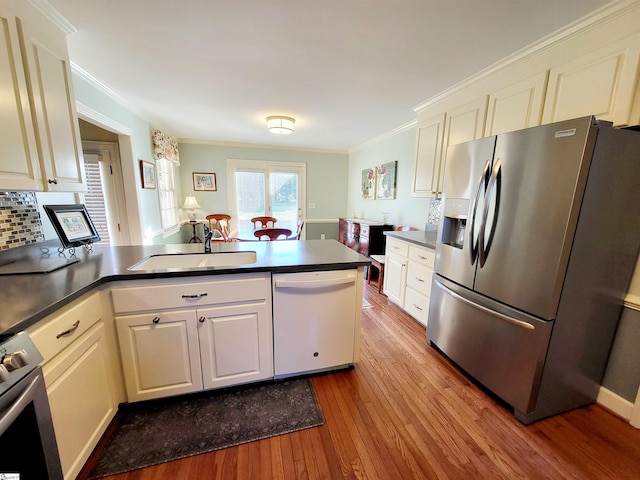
(537, 242)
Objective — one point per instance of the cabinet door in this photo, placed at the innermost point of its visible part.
(81, 397)
(601, 83)
(160, 354)
(19, 166)
(516, 106)
(53, 104)
(236, 344)
(428, 156)
(394, 278)
(462, 124)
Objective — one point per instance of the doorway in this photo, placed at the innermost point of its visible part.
(104, 198)
(259, 188)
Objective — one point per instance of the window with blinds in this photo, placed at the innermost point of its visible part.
(94, 198)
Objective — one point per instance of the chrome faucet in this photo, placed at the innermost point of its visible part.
(207, 239)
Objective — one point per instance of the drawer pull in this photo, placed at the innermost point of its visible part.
(73, 328)
(156, 320)
(417, 307)
(422, 257)
(419, 279)
(195, 296)
(202, 319)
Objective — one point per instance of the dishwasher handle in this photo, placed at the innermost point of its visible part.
(318, 283)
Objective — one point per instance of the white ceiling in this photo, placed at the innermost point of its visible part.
(347, 70)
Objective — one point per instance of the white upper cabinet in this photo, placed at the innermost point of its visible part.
(428, 156)
(516, 106)
(601, 83)
(459, 124)
(43, 62)
(19, 166)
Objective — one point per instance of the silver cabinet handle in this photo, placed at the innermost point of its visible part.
(419, 279)
(73, 328)
(417, 307)
(199, 295)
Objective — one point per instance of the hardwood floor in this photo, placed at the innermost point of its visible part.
(404, 412)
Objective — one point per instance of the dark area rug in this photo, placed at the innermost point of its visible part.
(163, 430)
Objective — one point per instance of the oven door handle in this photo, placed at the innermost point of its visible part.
(19, 404)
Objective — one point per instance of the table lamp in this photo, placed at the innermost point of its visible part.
(191, 204)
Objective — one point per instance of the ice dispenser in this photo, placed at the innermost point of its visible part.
(455, 222)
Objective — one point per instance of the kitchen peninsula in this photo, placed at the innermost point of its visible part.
(110, 334)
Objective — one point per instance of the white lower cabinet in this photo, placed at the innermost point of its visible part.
(407, 277)
(208, 334)
(82, 375)
(160, 354)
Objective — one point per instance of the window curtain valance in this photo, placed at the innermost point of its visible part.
(165, 147)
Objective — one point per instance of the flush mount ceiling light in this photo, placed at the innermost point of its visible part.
(280, 124)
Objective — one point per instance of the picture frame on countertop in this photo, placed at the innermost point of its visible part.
(204, 182)
(147, 174)
(73, 224)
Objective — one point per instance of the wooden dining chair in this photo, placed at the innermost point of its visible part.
(272, 233)
(218, 220)
(263, 222)
(298, 234)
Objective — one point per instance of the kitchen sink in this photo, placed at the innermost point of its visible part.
(185, 261)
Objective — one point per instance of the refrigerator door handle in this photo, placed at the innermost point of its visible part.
(490, 216)
(475, 230)
(493, 313)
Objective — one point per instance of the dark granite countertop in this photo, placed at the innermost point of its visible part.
(27, 298)
(420, 237)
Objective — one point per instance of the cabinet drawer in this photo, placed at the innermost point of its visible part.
(56, 332)
(422, 255)
(416, 305)
(396, 247)
(419, 277)
(159, 296)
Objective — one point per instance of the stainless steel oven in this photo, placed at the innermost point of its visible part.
(27, 440)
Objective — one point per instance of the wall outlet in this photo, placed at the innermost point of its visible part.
(311, 205)
(322, 236)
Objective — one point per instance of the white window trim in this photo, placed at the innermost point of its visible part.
(168, 230)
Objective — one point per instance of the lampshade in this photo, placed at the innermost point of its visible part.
(280, 124)
(190, 203)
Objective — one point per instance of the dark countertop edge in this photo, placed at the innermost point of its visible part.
(419, 237)
(125, 275)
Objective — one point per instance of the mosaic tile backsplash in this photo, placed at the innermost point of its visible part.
(20, 222)
(434, 212)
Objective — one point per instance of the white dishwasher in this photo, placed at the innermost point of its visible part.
(314, 318)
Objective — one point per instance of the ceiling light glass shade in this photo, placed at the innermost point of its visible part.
(190, 203)
(280, 124)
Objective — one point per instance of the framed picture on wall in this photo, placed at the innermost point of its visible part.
(204, 182)
(147, 174)
(386, 181)
(368, 183)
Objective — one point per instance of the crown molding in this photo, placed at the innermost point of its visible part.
(44, 7)
(257, 145)
(608, 12)
(384, 136)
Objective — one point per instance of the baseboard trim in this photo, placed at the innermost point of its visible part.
(615, 403)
